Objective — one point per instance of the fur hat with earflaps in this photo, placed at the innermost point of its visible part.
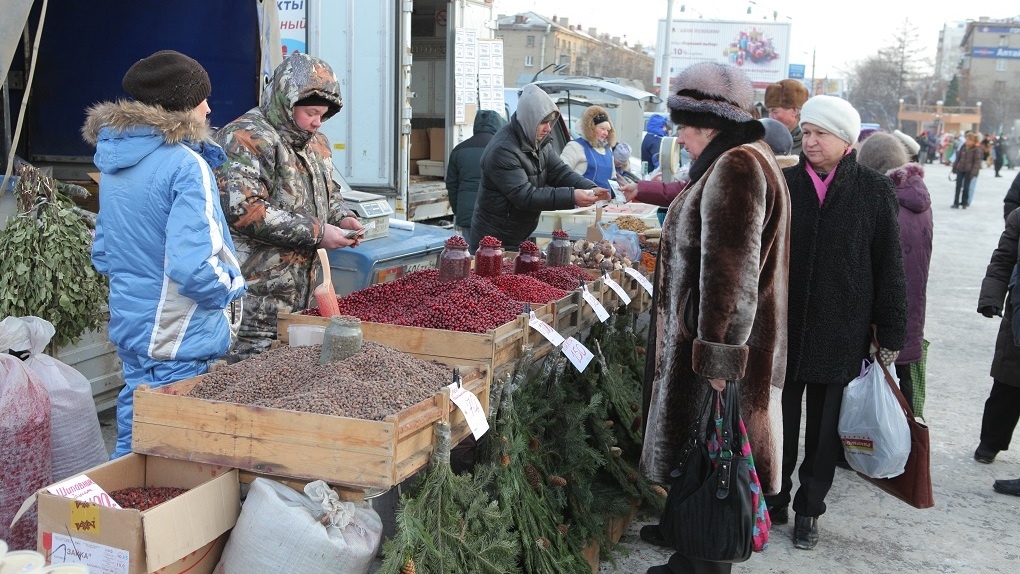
(711, 95)
(786, 94)
(169, 79)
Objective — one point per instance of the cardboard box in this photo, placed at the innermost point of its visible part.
(419, 145)
(437, 144)
(185, 534)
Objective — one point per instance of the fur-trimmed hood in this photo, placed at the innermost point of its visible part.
(586, 127)
(126, 131)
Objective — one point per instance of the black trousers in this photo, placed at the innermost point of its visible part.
(1002, 411)
(821, 445)
(906, 383)
(962, 184)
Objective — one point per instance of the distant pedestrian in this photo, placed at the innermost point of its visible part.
(923, 147)
(621, 161)
(884, 154)
(784, 100)
(966, 167)
(656, 128)
(1002, 409)
(464, 169)
(999, 154)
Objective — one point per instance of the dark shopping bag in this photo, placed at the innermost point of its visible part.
(709, 511)
(914, 485)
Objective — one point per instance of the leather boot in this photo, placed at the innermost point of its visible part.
(805, 532)
(1007, 486)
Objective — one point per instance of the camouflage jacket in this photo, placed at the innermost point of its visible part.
(277, 194)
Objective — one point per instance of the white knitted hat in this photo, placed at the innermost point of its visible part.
(834, 115)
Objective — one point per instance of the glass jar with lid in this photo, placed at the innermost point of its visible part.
(342, 339)
(528, 259)
(455, 260)
(489, 257)
(559, 250)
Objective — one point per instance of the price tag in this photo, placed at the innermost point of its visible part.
(595, 304)
(640, 278)
(578, 354)
(469, 404)
(82, 488)
(616, 287)
(99, 558)
(548, 332)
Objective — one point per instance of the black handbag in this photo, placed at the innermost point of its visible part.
(709, 513)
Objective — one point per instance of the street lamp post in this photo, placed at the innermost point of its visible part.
(667, 54)
(558, 68)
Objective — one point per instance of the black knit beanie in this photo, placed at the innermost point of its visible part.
(168, 79)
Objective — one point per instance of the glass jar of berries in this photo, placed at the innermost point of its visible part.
(489, 257)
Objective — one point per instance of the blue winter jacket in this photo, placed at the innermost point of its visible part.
(655, 130)
(161, 236)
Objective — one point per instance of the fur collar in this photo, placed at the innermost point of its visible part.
(122, 114)
(900, 174)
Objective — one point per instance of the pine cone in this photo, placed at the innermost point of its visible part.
(533, 476)
(534, 444)
(636, 425)
(563, 528)
(609, 424)
(543, 543)
(409, 567)
(615, 451)
(659, 490)
(554, 480)
(632, 476)
(635, 407)
(504, 458)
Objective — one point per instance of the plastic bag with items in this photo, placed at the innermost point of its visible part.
(872, 426)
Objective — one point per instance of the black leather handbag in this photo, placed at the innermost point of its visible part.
(709, 513)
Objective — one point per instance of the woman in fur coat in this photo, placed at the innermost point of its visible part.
(721, 281)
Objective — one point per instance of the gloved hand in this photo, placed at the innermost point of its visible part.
(888, 356)
(990, 311)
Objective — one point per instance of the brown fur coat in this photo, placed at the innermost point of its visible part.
(721, 307)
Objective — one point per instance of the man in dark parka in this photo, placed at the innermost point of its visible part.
(464, 169)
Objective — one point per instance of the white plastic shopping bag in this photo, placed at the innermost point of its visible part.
(872, 426)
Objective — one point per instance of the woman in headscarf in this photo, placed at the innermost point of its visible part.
(846, 275)
(721, 281)
(591, 155)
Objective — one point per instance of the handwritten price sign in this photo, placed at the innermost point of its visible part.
(474, 414)
(595, 304)
(548, 332)
(641, 279)
(578, 354)
(624, 297)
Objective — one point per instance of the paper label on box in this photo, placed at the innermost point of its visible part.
(617, 289)
(595, 304)
(85, 517)
(99, 558)
(640, 278)
(469, 404)
(82, 488)
(578, 354)
(548, 332)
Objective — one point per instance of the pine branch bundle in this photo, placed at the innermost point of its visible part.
(547, 546)
(450, 525)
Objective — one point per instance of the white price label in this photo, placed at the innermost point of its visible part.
(548, 332)
(99, 558)
(578, 354)
(469, 404)
(82, 488)
(616, 287)
(595, 304)
(640, 278)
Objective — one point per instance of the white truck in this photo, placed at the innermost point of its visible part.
(397, 63)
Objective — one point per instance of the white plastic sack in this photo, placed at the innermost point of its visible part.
(25, 460)
(282, 530)
(873, 426)
(77, 439)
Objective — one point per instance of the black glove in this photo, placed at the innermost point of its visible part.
(990, 311)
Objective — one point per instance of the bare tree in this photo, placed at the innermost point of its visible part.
(898, 71)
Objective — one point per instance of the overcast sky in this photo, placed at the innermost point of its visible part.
(838, 33)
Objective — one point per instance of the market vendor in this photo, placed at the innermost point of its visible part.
(279, 197)
(161, 236)
(522, 176)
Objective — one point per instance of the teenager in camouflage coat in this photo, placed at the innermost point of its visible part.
(278, 195)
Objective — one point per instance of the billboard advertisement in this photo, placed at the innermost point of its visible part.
(760, 49)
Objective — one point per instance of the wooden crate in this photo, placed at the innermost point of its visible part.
(349, 452)
(498, 348)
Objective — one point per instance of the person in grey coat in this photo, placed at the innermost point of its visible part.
(522, 176)
(1002, 409)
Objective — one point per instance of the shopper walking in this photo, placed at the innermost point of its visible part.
(846, 275)
(966, 167)
(721, 281)
(882, 153)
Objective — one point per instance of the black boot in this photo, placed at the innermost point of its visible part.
(1007, 486)
(779, 514)
(805, 532)
(652, 534)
